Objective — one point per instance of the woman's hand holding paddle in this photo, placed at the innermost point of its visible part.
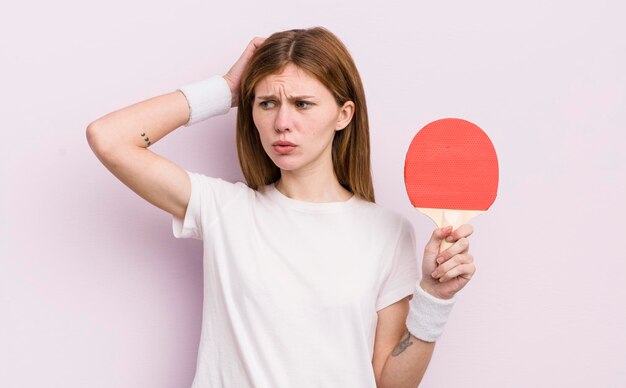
(451, 175)
(445, 273)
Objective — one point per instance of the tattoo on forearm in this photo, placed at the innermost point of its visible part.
(405, 343)
(146, 138)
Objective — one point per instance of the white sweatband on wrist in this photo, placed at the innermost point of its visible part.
(428, 315)
(207, 98)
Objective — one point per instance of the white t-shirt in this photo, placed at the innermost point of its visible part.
(291, 288)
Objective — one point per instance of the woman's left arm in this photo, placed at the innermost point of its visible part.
(399, 359)
(443, 275)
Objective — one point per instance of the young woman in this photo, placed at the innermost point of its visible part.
(307, 280)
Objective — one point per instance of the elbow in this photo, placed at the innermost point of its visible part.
(92, 136)
(97, 140)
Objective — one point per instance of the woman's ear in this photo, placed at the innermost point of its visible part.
(345, 115)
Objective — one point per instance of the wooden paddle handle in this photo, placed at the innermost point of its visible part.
(445, 217)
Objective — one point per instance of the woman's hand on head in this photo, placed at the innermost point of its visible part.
(445, 273)
(233, 77)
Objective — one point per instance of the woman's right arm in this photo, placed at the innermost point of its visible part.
(121, 138)
(118, 140)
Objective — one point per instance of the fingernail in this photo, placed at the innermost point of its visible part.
(439, 259)
(433, 275)
(449, 238)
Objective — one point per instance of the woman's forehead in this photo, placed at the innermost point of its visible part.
(292, 80)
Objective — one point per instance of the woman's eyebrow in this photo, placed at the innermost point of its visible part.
(274, 97)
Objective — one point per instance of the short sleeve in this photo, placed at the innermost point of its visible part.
(209, 196)
(403, 273)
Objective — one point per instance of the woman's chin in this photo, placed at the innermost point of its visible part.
(286, 165)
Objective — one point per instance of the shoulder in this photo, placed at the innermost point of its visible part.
(216, 183)
(217, 189)
(383, 218)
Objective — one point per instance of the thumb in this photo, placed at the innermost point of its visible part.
(432, 247)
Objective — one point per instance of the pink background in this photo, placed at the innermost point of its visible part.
(96, 292)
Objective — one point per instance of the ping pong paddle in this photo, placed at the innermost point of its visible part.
(451, 172)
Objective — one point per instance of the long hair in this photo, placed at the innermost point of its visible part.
(322, 55)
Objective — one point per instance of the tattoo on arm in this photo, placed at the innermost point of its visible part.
(405, 343)
(146, 138)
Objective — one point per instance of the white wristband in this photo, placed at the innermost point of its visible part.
(207, 98)
(428, 315)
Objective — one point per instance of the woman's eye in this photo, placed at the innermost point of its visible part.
(270, 104)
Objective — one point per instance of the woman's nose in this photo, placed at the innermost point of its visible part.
(283, 119)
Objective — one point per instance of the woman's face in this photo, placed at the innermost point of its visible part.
(297, 116)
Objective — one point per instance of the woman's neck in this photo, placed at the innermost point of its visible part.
(312, 187)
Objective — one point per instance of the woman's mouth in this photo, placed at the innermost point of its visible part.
(283, 147)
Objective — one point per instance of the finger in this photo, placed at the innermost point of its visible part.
(464, 270)
(258, 40)
(252, 46)
(437, 237)
(464, 230)
(250, 49)
(464, 258)
(460, 246)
